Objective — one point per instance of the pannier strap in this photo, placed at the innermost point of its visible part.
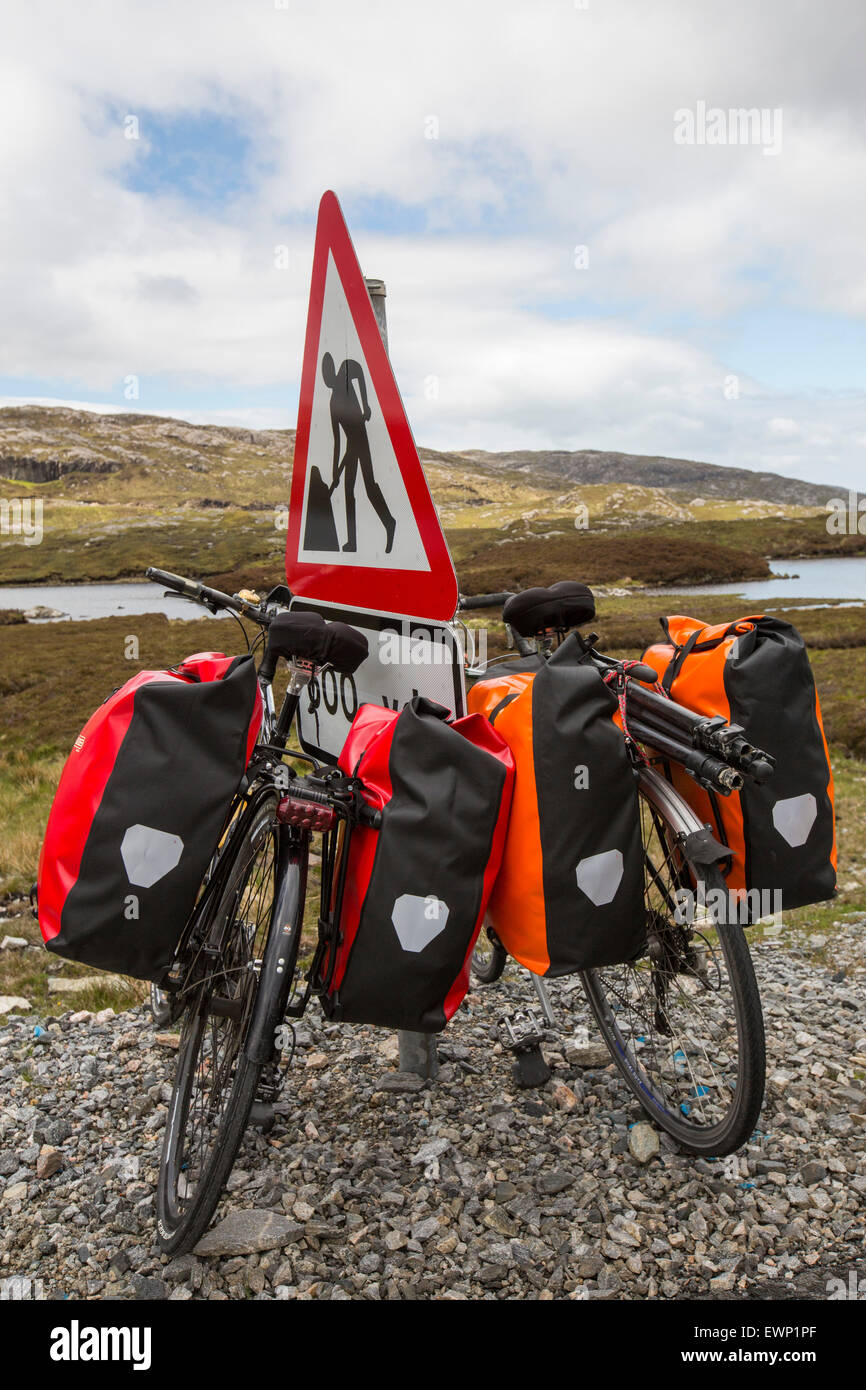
(681, 651)
(701, 847)
(506, 700)
(676, 663)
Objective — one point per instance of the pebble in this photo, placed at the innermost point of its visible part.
(245, 1233)
(14, 1004)
(588, 1055)
(643, 1142)
(49, 1162)
(812, 1173)
(551, 1183)
(400, 1081)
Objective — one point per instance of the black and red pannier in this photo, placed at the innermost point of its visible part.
(141, 804)
(415, 891)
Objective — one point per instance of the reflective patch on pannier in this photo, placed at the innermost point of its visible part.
(418, 921)
(600, 875)
(794, 818)
(148, 854)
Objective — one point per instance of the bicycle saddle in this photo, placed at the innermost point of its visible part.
(309, 637)
(566, 604)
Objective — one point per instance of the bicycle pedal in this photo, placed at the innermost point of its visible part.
(521, 1032)
(262, 1116)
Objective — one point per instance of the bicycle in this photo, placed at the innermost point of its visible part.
(235, 985)
(676, 1053)
(233, 981)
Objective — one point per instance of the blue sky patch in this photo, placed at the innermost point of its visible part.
(205, 158)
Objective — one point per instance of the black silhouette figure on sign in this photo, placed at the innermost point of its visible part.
(349, 414)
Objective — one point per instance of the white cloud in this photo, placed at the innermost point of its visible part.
(783, 428)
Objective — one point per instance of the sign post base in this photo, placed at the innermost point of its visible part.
(418, 1054)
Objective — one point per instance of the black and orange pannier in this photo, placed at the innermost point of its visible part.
(142, 800)
(415, 891)
(755, 672)
(570, 892)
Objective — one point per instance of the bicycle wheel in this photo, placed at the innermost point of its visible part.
(489, 957)
(214, 1084)
(160, 1006)
(683, 1023)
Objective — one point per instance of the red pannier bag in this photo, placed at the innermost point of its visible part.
(416, 889)
(139, 810)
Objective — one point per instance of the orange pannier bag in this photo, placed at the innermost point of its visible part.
(570, 890)
(755, 672)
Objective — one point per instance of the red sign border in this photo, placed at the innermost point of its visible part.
(424, 593)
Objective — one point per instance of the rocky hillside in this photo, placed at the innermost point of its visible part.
(119, 492)
(590, 466)
(41, 444)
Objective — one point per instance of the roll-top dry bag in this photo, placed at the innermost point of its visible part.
(416, 890)
(755, 672)
(570, 892)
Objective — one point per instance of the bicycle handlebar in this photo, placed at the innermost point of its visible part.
(202, 593)
(482, 600)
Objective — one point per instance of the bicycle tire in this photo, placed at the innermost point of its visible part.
(160, 1006)
(488, 965)
(747, 1089)
(180, 1227)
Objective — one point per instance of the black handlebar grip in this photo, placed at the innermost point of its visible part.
(174, 581)
(642, 671)
(761, 770)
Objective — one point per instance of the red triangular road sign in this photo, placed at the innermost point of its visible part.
(363, 529)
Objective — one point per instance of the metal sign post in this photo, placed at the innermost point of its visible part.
(418, 1051)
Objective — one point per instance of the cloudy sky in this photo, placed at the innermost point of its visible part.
(571, 261)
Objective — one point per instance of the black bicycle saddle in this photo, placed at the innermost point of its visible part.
(562, 605)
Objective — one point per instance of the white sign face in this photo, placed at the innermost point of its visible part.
(356, 510)
(408, 657)
(361, 518)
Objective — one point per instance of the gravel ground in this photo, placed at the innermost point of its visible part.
(374, 1185)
